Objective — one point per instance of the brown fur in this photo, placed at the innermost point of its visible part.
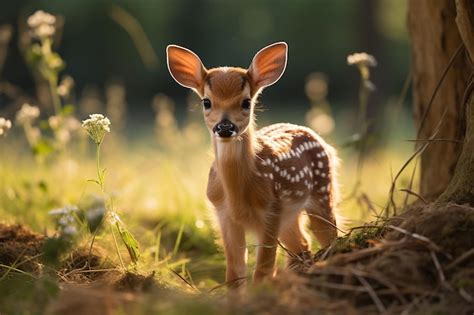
(260, 180)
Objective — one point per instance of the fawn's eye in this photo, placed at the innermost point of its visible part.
(206, 103)
(246, 103)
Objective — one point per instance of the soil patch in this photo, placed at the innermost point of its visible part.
(20, 247)
(419, 262)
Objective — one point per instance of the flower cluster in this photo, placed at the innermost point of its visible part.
(65, 219)
(361, 59)
(27, 114)
(96, 126)
(42, 24)
(5, 125)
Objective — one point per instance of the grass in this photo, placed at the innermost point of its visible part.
(160, 195)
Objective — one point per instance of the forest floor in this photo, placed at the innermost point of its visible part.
(415, 263)
(421, 261)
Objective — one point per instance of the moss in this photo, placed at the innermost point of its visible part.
(357, 239)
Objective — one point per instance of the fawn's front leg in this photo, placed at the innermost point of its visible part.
(267, 246)
(233, 236)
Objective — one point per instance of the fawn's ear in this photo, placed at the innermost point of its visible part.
(185, 66)
(268, 64)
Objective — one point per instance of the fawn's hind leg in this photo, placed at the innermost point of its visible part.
(322, 220)
(295, 239)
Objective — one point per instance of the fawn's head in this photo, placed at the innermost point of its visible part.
(228, 94)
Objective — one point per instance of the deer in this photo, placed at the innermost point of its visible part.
(262, 181)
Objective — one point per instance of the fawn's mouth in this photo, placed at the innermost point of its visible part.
(226, 136)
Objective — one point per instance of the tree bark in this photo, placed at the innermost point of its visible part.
(435, 40)
(461, 188)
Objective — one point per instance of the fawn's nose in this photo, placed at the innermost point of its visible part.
(225, 128)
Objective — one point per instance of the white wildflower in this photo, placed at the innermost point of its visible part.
(96, 126)
(45, 31)
(65, 220)
(42, 24)
(361, 59)
(39, 18)
(65, 87)
(54, 122)
(5, 125)
(70, 230)
(27, 114)
(63, 211)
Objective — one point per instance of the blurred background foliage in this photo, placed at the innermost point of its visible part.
(320, 34)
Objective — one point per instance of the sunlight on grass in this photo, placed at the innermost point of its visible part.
(161, 197)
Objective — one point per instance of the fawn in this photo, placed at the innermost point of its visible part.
(260, 180)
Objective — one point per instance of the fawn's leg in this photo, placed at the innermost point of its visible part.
(267, 246)
(295, 240)
(233, 236)
(322, 222)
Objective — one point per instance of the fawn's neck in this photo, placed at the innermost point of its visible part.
(235, 161)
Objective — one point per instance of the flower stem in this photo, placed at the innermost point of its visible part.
(53, 82)
(116, 247)
(99, 172)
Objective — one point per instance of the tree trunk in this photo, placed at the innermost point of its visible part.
(461, 188)
(435, 41)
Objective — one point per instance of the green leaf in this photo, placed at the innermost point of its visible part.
(130, 242)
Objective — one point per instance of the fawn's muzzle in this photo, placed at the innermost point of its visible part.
(225, 128)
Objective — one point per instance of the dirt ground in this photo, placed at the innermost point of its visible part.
(419, 262)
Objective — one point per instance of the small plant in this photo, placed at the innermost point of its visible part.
(52, 134)
(360, 140)
(41, 54)
(67, 222)
(26, 117)
(97, 126)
